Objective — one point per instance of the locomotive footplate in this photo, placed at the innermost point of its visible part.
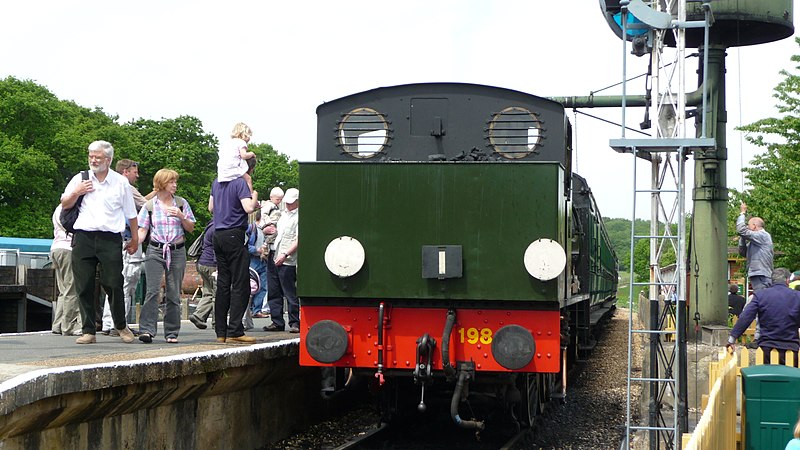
(359, 338)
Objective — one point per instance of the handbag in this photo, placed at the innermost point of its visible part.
(70, 215)
(197, 246)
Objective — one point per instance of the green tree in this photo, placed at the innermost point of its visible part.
(641, 251)
(179, 144)
(619, 232)
(775, 174)
(42, 145)
(273, 169)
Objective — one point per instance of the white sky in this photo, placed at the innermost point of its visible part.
(270, 64)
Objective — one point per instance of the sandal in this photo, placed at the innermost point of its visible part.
(172, 340)
(146, 338)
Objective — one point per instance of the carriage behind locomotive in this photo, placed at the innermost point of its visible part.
(445, 238)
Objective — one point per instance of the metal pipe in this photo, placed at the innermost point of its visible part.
(450, 321)
(624, 18)
(381, 313)
(694, 98)
(468, 424)
(707, 9)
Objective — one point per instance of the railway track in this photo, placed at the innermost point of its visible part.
(384, 438)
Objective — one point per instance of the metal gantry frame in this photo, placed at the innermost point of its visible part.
(667, 152)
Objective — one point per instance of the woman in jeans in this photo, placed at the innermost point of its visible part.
(167, 217)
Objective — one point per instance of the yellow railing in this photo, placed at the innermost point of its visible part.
(748, 334)
(717, 426)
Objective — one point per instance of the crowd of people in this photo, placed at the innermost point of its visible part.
(119, 233)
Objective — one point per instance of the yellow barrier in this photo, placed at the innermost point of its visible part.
(717, 426)
(749, 333)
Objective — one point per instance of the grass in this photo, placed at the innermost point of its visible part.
(623, 290)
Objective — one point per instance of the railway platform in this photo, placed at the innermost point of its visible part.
(193, 394)
(21, 353)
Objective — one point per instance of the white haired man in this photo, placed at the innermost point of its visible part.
(107, 205)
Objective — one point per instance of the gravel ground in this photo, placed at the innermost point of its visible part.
(595, 411)
(332, 433)
(592, 418)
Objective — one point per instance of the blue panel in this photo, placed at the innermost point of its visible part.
(632, 20)
(26, 244)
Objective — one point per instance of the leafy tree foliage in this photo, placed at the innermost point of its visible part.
(44, 140)
(273, 169)
(775, 174)
(179, 144)
(619, 232)
(39, 152)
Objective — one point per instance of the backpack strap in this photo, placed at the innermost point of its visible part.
(148, 205)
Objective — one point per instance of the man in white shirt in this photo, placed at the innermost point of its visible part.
(107, 205)
(282, 267)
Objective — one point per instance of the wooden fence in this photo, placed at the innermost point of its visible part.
(717, 428)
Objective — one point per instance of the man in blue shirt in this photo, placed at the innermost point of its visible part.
(778, 310)
(231, 202)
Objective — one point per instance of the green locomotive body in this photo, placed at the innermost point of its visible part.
(445, 239)
(491, 211)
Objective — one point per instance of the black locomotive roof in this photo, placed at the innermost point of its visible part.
(442, 122)
(436, 88)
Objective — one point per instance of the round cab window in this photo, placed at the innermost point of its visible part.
(515, 132)
(363, 133)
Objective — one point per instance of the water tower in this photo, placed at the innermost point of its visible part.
(733, 23)
(668, 27)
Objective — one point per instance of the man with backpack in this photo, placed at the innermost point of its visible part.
(107, 204)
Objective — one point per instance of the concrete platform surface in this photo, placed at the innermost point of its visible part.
(21, 353)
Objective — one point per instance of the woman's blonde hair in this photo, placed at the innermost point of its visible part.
(163, 177)
(241, 130)
(797, 429)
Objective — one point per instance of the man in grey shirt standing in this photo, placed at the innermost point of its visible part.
(759, 255)
(759, 250)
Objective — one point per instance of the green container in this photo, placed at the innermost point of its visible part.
(492, 210)
(771, 402)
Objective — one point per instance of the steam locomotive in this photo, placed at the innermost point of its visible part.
(448, 250)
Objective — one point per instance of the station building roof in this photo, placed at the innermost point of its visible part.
(32, 245)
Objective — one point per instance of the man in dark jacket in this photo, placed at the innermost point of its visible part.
(735, 301)
(778, 310)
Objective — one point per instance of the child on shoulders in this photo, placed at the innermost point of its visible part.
(232, 155)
